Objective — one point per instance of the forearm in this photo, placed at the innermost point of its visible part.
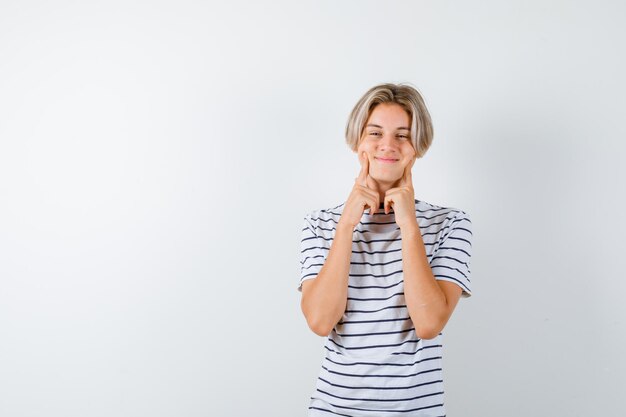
(425, 300)
(325, 300)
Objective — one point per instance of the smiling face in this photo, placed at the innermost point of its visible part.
(387, 141)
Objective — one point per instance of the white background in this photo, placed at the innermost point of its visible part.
(157, 160)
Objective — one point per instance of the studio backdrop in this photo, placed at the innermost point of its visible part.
(157, 160)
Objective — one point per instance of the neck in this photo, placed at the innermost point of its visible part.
(382, 187)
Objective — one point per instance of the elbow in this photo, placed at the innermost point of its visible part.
(428, 323)
(318, 324)
(320, 328)
(428, 330)
(427, 333)
(321, 317)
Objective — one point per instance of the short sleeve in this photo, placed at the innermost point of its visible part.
(313, 251)
(451, 261)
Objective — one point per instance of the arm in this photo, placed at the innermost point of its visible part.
(430, 302)
(324, 297)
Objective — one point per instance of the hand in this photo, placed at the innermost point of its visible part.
(402, 199)
(363, 195)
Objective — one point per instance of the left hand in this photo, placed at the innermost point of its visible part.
(402, 199)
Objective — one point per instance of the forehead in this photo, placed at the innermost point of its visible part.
(389, 115)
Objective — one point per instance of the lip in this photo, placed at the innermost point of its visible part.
(386, 161)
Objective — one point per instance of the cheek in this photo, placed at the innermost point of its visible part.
(363, 148)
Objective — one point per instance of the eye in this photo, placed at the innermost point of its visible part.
(403, 136)
(374, 133)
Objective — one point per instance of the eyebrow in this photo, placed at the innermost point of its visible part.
(380, 127)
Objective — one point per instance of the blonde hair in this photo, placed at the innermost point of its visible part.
(406, 96)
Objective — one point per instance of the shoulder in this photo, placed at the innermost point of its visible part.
(440, 217)
(323, 218)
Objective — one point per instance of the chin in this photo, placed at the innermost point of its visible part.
(386, 178)
(388, 174)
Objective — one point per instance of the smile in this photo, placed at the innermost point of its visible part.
(386, 161)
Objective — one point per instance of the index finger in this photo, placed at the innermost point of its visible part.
(408, 176)
(362, 178)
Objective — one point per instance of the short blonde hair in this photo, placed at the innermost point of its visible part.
(406, 96)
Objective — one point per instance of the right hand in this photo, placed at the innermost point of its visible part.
(362, 196)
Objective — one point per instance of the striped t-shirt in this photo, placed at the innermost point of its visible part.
(374, 364)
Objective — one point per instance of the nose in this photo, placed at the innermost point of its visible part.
(388, 141)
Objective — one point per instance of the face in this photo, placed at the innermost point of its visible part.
(387, 141)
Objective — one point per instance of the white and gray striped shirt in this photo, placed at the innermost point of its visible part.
(375, 365)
